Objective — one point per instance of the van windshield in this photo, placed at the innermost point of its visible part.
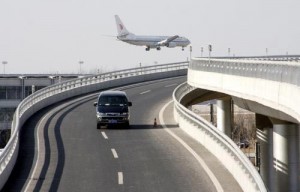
(112, 101)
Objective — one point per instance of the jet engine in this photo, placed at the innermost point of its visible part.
(171, 44)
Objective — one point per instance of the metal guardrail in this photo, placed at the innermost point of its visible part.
(71, 88)
(219, 144)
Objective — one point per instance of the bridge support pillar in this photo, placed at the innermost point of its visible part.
(264, 134)
(265, 138)
(224, 116)
(285, 156)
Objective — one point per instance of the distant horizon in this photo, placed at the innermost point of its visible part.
(95, 71)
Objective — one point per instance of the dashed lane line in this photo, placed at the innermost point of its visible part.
(120, 178)
(142, 93)
(172, 85)
(104, 135)
(115, 154)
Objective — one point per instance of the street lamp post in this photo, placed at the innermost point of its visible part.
(80, 63)
(201, 51)
(4, 63)
(209, 51)
(191, 49)
(141, 68)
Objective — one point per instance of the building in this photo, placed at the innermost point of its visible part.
(14, 88)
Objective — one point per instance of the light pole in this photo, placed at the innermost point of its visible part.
(209, 51)
(228, 52)
(266, 51)
(80, 63)
(4, 63)
(191, 49)
(140, 67)
(201, 51)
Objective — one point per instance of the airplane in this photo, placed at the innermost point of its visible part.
(150, 42)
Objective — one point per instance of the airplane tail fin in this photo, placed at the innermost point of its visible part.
(122, 31)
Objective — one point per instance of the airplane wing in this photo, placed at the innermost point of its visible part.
(168, 40)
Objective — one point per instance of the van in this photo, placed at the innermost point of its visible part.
(112, 109)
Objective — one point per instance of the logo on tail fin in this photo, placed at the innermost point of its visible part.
(122, 31)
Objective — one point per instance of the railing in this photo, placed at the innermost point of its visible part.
(295, 58)
(217, 143)
(75, 87)
(287, 72)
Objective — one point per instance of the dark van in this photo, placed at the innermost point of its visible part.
(112, 108)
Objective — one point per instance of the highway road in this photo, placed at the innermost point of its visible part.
(61, 149)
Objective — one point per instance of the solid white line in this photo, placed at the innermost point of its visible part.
(120, 178)
(38, 140)
(171, 85)
(104, 135)
(145, 92)
(115, 154)
(198, 158)
(38, 153)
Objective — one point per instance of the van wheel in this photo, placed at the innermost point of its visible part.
(98, 126)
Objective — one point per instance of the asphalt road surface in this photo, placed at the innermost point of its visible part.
(61, 149)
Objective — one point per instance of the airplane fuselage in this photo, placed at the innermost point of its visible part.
(152, 41)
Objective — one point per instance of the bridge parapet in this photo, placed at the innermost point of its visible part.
(294, 58)
(216, 142)
(274, 84)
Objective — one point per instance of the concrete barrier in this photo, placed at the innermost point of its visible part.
(216, 142)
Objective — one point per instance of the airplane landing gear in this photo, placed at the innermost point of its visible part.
(182, 49)
(147, 48)
(158, 48)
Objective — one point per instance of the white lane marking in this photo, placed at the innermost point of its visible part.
(120, 178)
(115, 154)
(39, 157)
(171, 85)
(145, 92)
(198, 158)
(104, 135)
(38, 152)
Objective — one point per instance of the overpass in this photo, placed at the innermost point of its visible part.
(268, 88)
(71, 155)
(225, 148)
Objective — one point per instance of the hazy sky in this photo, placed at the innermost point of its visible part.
(43, 36)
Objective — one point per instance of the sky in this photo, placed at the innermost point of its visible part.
(52, 36)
